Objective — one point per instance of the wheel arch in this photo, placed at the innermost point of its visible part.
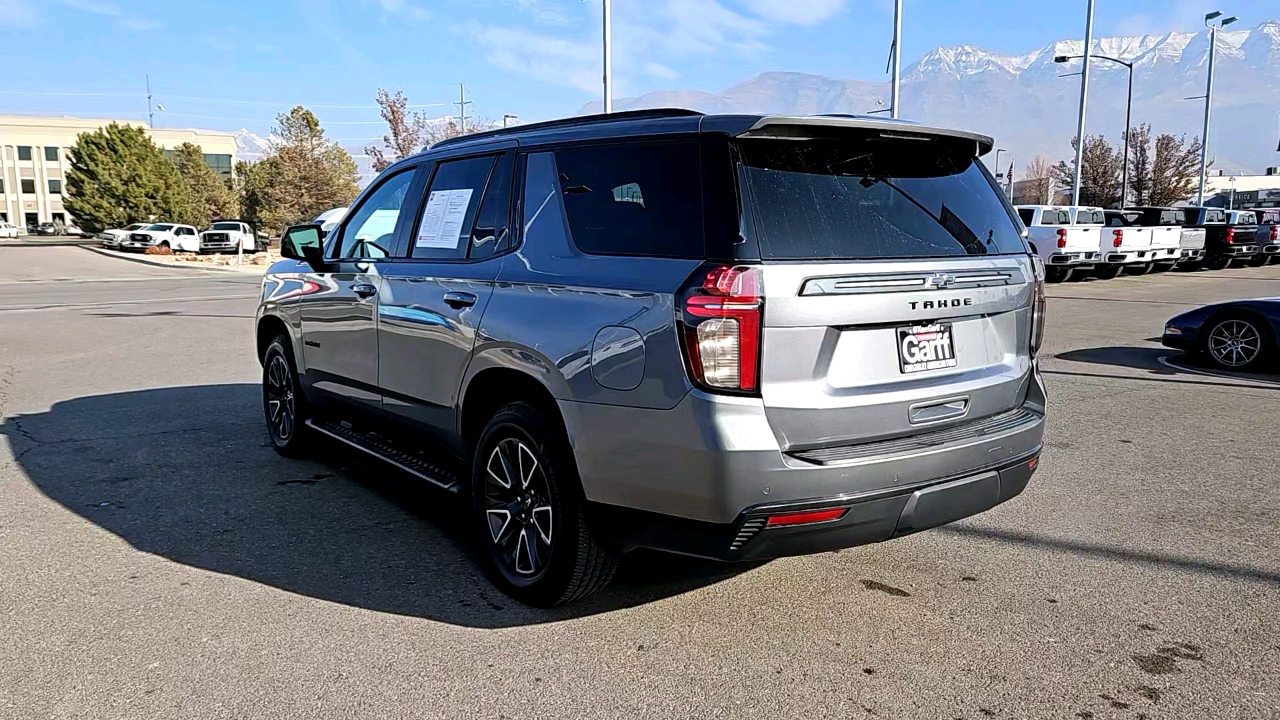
(488, 390)
(269, 328)
(1266, 325)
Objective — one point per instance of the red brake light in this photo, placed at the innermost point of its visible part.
(807, 517)
(1275, 233)
(722, 319)
(1231, 235)
(1062, 237)
(1119, 237)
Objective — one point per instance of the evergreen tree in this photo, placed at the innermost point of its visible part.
(1176, 170)
(304, 174)
(211, 198)
(119, 176)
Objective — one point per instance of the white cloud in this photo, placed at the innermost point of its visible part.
(91, 6)
(138, 24)
(403, 8)
(648, 40)
(796, 12)
(19, 14)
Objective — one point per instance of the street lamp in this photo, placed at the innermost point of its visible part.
(1128, 118)
(505, 118)
(1084, 99)
(1208, 94)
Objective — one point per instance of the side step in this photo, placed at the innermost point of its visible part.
(386, 450)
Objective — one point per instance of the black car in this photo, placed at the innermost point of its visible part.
(47, 229)
(1236, 335)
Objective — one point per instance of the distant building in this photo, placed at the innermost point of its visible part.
(1243, 191)
(34, 162)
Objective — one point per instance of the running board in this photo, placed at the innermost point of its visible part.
(386, 451)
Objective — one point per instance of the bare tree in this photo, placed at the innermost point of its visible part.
(445, 128)
(1100, 175)
(408, 131)
(1140, 164)
(1176, 169)
(1038, 180)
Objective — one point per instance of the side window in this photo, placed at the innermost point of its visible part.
(450, 209)
(491, 234)
(1027, 216)
(634, 199)
(370, 233)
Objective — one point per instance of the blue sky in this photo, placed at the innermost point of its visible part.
(228, 64)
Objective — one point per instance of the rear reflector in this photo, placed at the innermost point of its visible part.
(807, 517)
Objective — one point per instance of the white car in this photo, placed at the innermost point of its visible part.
(178, 238)
(329, 219)
(8, 230)
(228, 236)
(112, 238)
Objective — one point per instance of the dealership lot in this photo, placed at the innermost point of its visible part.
(162, 561)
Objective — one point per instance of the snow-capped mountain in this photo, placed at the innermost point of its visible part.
(1022, 101)
(250, 146)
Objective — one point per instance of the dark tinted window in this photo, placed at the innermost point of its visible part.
(872, 197)
(1245, 219)
(371, 231)
(29, 186)
(491, 234)
(1089, 217)
(449, 211)
(1027, 216)
(1214, 216)
(55, 187)
(1268, 217)
(51, 154)
(634, 199)
(24, 152)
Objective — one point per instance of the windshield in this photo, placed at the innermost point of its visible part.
(225, 226)
(872, 197)
(160, 227)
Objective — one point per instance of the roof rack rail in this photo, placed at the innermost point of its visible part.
(575, 121)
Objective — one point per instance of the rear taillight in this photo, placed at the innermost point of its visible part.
(1117, 237)
(1274, 235)
(721, 327)
(1038, 306)
(1062, 237)
(1231, 235)
(807, 517)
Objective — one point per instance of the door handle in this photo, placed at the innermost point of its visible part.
(364, 290)
(459, 300)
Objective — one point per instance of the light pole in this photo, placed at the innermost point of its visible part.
(1084, 100)
(999, 174)
(505, 118)
(1231, 198)
(608, 56)
(1208, 94)
(897, 58)
(1128, 119)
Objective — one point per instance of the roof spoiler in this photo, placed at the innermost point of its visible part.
(811, 126)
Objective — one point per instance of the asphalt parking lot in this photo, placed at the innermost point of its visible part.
(160, 560)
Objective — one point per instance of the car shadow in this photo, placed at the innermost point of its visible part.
(1161, 362)
(188, 473)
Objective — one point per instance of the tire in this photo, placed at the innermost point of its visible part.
(283, 402)
(1142, 269)
(1217, 263)
(529, 512)
(1057, 274)
(1237, 342)
(1107, 272)
(1258, 260)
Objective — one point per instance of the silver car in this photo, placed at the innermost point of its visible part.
(736, 337)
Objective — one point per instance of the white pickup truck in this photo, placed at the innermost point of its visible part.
(1065, 247)
(1126, 245)
(178, 238)
(228, 236)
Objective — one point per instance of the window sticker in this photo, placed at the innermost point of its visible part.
(442, 220)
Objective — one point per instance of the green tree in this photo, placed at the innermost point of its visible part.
(303, 175)
(211, 198)
(119, 176)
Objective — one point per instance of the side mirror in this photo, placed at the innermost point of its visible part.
(305, 243)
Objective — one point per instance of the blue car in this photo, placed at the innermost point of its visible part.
(1236, 335)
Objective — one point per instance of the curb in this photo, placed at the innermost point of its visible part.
(143, 259)
(47, 243)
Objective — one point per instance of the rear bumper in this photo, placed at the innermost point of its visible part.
(715, 459)
(1129, 257)
(1191, 255)
(1072, 258)
(1235, 251)
(866, 519)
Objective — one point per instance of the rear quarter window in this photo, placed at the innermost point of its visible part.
(1027, 216)
(641, 198)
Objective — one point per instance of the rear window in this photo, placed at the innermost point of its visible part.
(1268, 218)
(160, 227)
(1089, 217)
(1027, 216)
(225, 226)
(1214, 216)
(641, 199)
(1245, 219)
(1169, 217)
(872, 197)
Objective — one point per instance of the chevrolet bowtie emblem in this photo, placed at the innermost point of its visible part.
(937, 281)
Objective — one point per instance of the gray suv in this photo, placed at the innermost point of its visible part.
(736, 337)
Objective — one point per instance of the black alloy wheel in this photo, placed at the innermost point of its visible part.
(518, 508)
(530, 512)
(283, 403)
(1237, 342)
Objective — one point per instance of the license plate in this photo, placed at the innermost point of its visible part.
(926, 347)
